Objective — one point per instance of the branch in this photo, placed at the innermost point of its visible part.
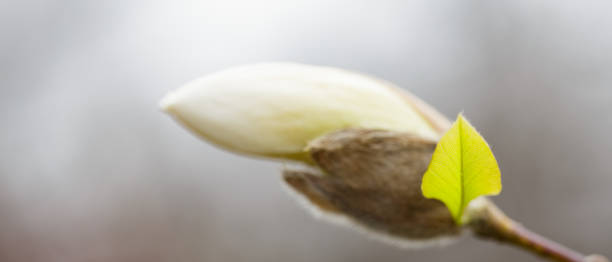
(488, 222)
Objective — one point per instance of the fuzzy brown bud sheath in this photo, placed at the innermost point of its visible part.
(371, 180)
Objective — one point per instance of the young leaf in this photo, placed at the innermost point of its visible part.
(462, 168)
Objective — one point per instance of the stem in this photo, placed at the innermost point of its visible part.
(488, 222)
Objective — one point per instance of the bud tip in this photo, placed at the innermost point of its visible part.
(168, 103)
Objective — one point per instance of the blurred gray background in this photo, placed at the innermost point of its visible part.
(90, 170)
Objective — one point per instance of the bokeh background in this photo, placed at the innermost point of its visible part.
(91, 170)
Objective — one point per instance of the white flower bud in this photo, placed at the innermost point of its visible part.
(276, 109)
(371, 142)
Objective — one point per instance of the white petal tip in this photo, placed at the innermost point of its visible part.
(168, 102)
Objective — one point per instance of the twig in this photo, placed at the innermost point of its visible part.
(488, 222)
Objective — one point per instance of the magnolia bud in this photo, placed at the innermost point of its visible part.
(276, 109)
(369, 143)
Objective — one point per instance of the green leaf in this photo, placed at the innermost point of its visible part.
(462, 168)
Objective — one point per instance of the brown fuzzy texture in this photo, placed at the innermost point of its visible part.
(374, 178)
